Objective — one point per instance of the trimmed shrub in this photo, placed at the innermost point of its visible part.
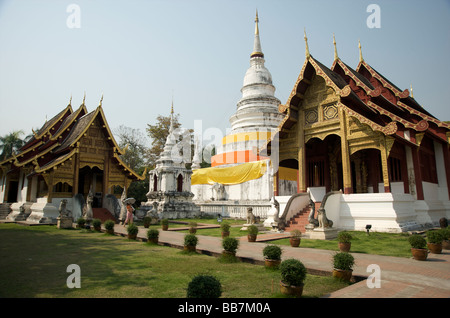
(434, 236)
(230, 244)
(190, 240)
(272, 252)
(343, 261)
(109, 225)
(293, 272)
(204, 286)
(417, 241)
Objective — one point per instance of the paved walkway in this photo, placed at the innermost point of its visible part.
(400, 277)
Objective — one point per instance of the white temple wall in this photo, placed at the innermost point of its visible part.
(440, 169)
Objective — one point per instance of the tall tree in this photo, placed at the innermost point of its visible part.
(11, 143)
(134, 140)
(136, 146)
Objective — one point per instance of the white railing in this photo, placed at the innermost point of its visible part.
(237, 211)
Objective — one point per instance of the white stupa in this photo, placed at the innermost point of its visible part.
(257, 116)
(170, 193)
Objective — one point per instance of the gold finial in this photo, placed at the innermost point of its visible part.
(335, 49)
(412, 95)
(84, 98)
(34, 133)
(360, 52)
(70, 101)
(101, 100)
(307, 48)
(256, 23)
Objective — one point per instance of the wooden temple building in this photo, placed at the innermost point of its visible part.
(353, 131)
(72, 154)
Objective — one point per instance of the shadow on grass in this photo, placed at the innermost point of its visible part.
(34, 261)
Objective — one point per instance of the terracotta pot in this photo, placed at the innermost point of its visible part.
(98, 228)
(342, 274)
(251, 237)
(446, 245)
(110, 231)
(296, 291)
(165, 227)
(189, 248)
(272, 262)
(419, 254)
(132, 236)
(345, 247)
(295, 242)
(225, 234)
(435, 248)
(153, 240)
(192, 230)
(228, 253)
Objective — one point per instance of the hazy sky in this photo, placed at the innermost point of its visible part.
(141, 53)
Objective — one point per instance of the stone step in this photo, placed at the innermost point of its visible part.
(5, 209)
(103, 214)
(300, 220)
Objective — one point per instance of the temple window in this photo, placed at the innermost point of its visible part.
(180, 183)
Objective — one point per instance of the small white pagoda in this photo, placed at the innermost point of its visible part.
(170, 193)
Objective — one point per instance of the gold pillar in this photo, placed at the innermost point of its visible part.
(384, 165)
(301, 179)
(346, 168)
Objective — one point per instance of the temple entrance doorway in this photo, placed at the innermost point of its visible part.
(91, 177)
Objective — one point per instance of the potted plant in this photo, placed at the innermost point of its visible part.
(344, 241)
(147, 221)
(446, 238)
(190, 242)
(434, 244)
(230, 245)
(132, 231)
(109, 226)
(293, 273)
(97, 224)
(165, 224)
(192, 227)
(272, 256)
(252, 233)
(225, 227)
(418, 247)
(343, 263)
(153, 235)
(295, 239)
(81, 222)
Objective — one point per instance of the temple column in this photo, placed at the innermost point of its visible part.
(49, 181)
(385, 169)
(301, 179)
(346, 168)
(417, 173)
(105, 188)
(276, 189)
(76, 173)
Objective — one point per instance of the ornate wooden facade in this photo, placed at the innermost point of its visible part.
(71, 154)
(353, 130)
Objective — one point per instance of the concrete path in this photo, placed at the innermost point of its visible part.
(400, 277)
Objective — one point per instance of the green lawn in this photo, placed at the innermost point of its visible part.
(389, 244)
(34, 260)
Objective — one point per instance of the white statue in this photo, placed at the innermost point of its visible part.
(273, 214)
(218, 191)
